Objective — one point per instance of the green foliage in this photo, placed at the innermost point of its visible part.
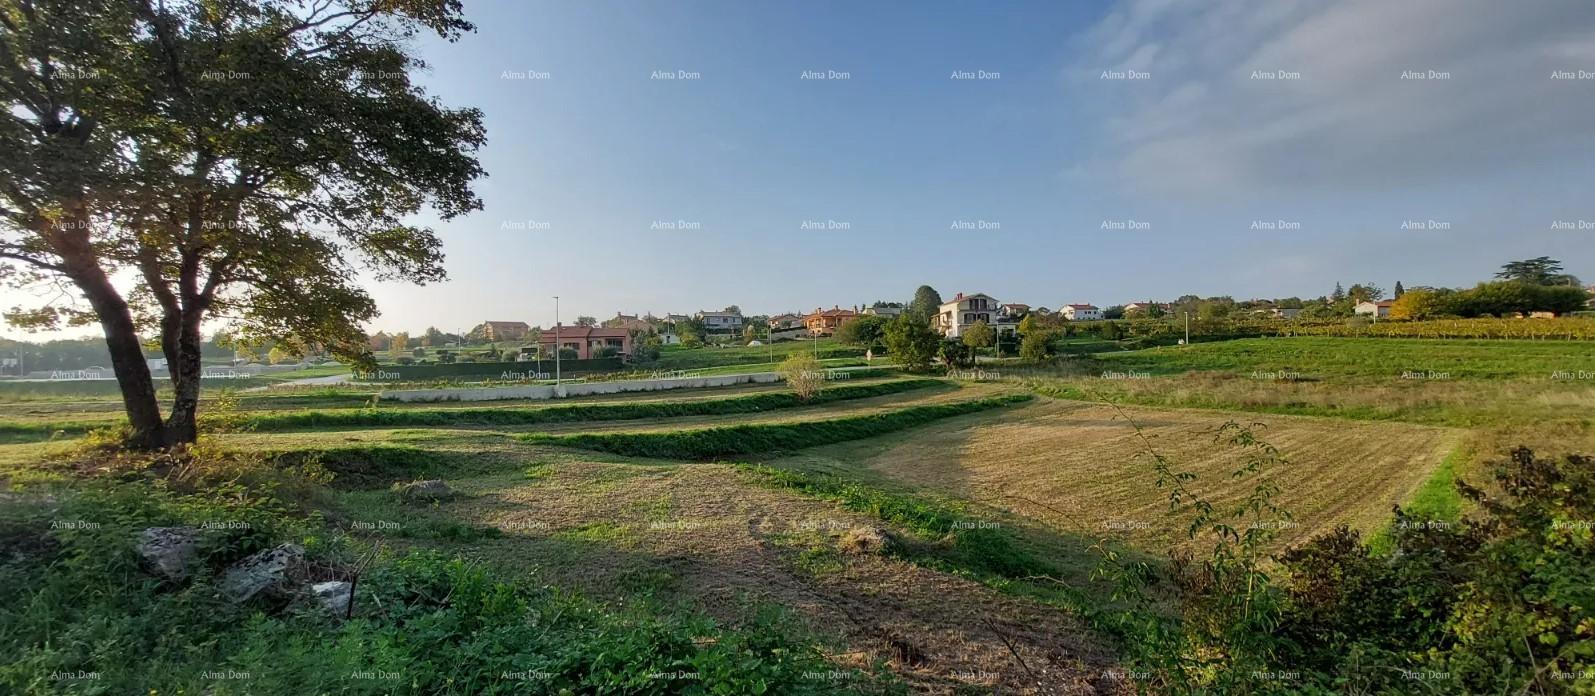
(761, 438)
(911, 342)
(423, 623)
(1499, 603)
(954, 353)
(1542, 270)
(926, 303)
(979, 335)
(751, 403)
(865, 332)
(1036, 346)
(1223, 637)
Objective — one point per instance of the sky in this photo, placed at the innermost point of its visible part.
(1102, 152)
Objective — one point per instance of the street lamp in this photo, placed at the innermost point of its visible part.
(556, 345)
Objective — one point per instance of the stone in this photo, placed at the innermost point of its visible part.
(270, 572)
(430, 490)
(334, 596)
(168, 550)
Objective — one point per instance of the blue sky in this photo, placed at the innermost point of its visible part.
(1341, 145)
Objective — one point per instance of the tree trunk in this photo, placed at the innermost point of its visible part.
(121, 339)
(181, 426)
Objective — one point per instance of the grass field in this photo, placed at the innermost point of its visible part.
(991, 493)
(1305, 359)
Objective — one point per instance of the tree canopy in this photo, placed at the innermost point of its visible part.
(926, 302)
(242, 159)
(1542, 270)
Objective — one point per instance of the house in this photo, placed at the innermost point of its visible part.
(960, 313)
(785, 321)
(1015, 309)
(630, 322)
(1377, 309)
(790, 333)
(1145, 308)
(720, 322)
(825, 322)
(1285, 312)
(585, 340)
(495, 331)
(884, 311)
(1081, 312)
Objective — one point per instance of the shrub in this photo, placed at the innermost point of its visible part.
(804, 374)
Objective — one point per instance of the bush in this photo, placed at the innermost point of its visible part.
(1036, 347)
(804, 374)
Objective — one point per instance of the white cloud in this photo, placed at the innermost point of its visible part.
(1202, 126)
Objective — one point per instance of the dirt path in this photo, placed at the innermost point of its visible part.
(709, 535)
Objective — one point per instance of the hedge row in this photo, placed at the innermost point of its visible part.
(758, 438)
(751, 403)
(493, 370)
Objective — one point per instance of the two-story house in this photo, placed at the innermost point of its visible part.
(504, 330)
(963, 311)
(720, 322)
(825, 322)
(1081, 312)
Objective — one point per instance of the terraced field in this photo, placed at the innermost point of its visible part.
(1083, 468)
(979, 488)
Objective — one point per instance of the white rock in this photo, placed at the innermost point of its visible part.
(168, 550)
(268, 571)
(334, 596)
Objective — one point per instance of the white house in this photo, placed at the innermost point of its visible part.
(1378, 309)
(963, 311)
(1081, 312)
(884, 311)
(720, 322)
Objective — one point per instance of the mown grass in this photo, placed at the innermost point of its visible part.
(959, 539)
(19, 391)
(752, 403)
(761, 438)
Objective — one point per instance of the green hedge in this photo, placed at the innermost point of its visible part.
(751, 403)
(759, 438)
(493, 370)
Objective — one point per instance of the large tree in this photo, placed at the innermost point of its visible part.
(911, 342)
(927, 302)
(178, 161)
(1542, 270)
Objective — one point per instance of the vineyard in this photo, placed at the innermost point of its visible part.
(1572, 329)
(1567, 328)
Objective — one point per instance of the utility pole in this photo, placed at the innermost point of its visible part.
(1187, 328)
(556, 345)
